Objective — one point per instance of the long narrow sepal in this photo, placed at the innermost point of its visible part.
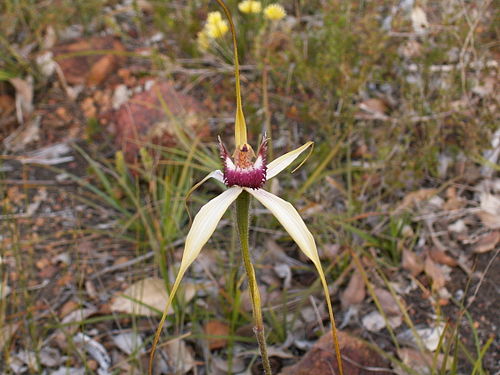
(205, 222)
(217, 175)
(204, 225)
(288, 216)
(278, 165)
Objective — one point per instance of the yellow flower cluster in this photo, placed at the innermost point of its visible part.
(274, 12)
(202, 40)
(214, 28)
(250, 6)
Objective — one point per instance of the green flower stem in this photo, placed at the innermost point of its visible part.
(242, 219)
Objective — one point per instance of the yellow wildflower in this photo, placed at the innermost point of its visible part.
(217, 29)
(274, 12)
(250, 6)
(203, 40)
(214, 18)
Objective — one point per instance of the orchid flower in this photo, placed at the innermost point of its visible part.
(244, 173)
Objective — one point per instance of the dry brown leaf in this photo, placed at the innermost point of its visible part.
(24, 135)
(453, 201)
(129, 342)
(95, 350)
(435, 273)
(321, 358)
(180, 357)
(217, 333)
(373, 321)
(375, 106)
(24, 97)
(416, 197)
(490, 210)
(489, 220)
(101, 70)
(487, 242)
(78, 315)
(220, 366)
(416, 360)
(422, 363)
(412, 262)
(442, 258)
(355, 292)
(430, 336)
(387, 302)
(145, 297)
(68, 329)
(50, 357)
(90, 68)
(68, 307)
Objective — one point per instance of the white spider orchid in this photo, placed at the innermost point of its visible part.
(240, 174)
(244, 177)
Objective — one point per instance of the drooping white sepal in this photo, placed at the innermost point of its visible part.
(288, 216)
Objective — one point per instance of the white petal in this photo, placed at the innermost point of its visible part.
(288, 216)
(215, 174)
(204, 224)
(277, 165)
(203, 227)
(218, 175)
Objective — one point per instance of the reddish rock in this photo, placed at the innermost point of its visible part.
(145, 119)
(358, 358)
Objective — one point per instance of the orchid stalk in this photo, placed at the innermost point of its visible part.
(244, 173)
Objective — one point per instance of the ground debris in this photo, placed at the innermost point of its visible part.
(487, 242)
(358, 358)
(96, 351)
(217, 333)
(355, 292)
(81, 62)
(155, 115)
(145, 297)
